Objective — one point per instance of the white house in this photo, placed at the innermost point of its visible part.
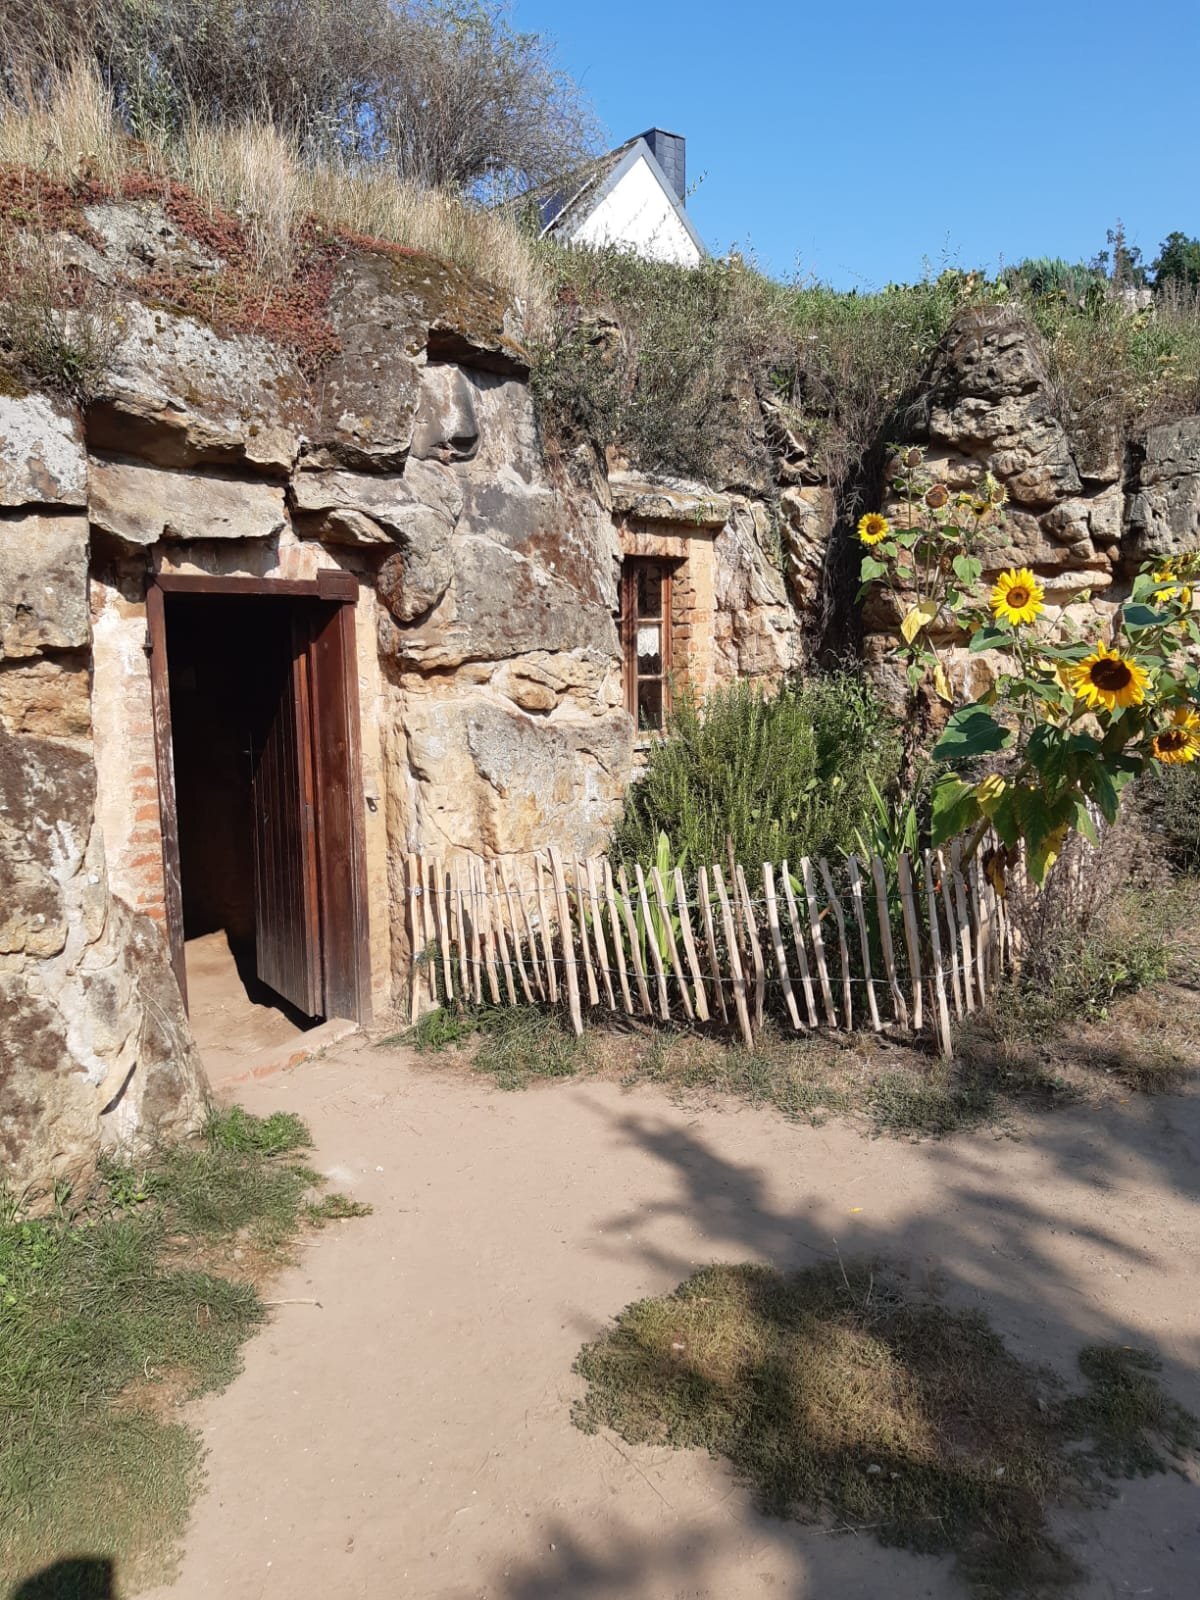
(634, 197)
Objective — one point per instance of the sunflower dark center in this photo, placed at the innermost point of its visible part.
(1112, 676)
(1173, 739)
(1018, 595)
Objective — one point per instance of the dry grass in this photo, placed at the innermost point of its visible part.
(836, 1396)
(256, 172)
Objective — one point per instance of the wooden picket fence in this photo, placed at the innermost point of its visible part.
(818, 946)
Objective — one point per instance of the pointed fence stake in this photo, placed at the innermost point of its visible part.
(864, 938)
(614, 924)
(883, 913)
(515, 930)
(912, 935)
(756, 955)
(598, 933)
(566, 938)
(585, 944)
(664, 999)
(416, 926)
(943, 878)
(814, 923)
(496, 905)
(776, 933)
(945, 1037)
(963, 917)
(660, 894)
(689, 945)
(710, 939)
(546, 932)
(735, 960)
(789, 896)
(839, 917)
(484, 912)
(443, 924)
(635, 947)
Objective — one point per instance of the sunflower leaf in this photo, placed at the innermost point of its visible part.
(1099, 782)
(971, 731)
(871, 569)
(968, 570)
(919, 617)
(955, 808)
(1135, 617)
(988, 638)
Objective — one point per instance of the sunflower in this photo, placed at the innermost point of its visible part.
(1167, 574)
(1018, 596)
(873, 528)
(1108, 681)
(936, 497)
(1181, 741)
(997, 494)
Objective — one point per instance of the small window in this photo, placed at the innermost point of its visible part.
(646, 640)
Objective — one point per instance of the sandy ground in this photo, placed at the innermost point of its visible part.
(411, 1436)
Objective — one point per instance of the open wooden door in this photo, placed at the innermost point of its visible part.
(286, 896)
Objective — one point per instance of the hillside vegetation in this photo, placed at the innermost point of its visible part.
(666, 362)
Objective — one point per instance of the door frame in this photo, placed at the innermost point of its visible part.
(344, 934)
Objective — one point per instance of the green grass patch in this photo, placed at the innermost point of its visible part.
(835, 1397)
(112, 1311)
(515, 1045)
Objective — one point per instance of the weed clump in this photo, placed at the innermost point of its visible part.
(835, 1397)
(516, 1045)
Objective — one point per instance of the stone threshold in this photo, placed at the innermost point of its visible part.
(282, 1057)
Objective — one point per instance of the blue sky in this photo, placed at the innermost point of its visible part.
(854, 142)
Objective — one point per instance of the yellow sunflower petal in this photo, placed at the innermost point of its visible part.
(1017, 596)
(873, 527)
(1108, 681)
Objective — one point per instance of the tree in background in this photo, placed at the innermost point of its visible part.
(446, 92)
(1178, 262)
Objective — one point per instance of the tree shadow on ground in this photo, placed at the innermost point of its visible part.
(1051, 1236)
(77, 1578)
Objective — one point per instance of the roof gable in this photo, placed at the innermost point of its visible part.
(566, 207)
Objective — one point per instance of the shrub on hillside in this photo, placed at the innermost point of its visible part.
(782, 777)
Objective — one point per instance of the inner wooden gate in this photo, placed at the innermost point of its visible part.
(260, 791)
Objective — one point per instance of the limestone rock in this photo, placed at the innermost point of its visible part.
(49, 696)
(756, 628)
(658, 498)
(1164, 511)
(446, 426)
(43, 582)
(415, 578)
(94, 1046)
(141, 504)
(807, 518)
(42, 459)
(488, 777)
(180, 395)
(991, 400)
(501, 604)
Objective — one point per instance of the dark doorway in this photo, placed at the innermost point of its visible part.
(256, 729)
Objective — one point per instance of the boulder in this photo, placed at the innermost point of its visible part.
(94, 1045)
(42, 459)
(43, 582)
(1164, 509)
(446, 427)
(659, 498)
(990, 399)
(141, 504)
(178, 394)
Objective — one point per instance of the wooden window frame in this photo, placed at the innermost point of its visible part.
(631, 566)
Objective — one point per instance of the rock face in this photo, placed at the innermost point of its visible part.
(94, 1045)
(1069, 517)
(1164, 510)
(489, 673)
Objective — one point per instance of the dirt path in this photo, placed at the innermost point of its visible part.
(411, 1436)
